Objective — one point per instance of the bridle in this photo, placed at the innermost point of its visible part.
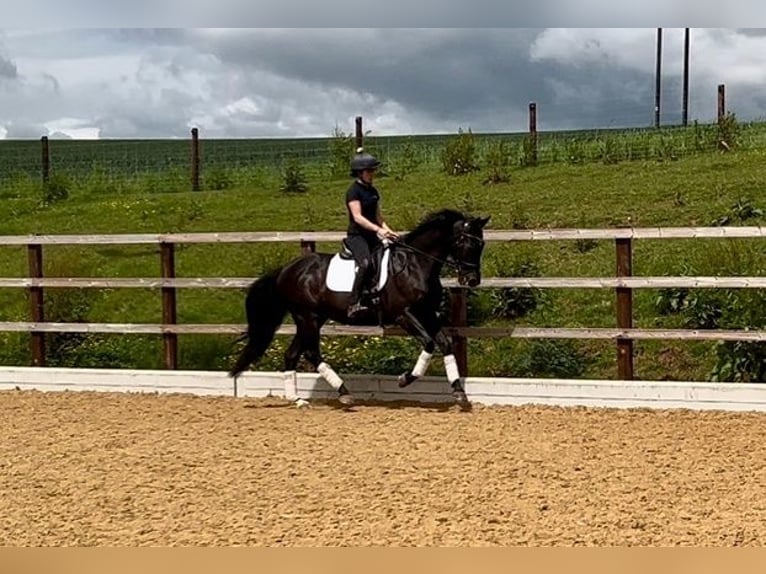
(450, 261)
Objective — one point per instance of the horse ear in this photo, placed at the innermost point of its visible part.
(484, 220)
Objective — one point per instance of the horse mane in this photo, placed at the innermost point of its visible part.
(435, 220)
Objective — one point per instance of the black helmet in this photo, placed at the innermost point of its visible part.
(363, 160)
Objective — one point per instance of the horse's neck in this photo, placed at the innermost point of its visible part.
(436, 245)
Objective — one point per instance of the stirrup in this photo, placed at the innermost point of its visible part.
(356, 309)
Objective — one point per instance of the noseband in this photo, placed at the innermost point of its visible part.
(464, 264)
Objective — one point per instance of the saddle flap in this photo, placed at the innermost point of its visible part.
(342, 270)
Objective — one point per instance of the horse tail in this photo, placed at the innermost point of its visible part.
(265, 311)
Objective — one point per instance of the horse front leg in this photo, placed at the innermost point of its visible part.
(428, 327)
(418, 331)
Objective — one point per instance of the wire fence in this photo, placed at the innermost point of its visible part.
(168, 165)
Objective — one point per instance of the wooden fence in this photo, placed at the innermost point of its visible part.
(623, 283)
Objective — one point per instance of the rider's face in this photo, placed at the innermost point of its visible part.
(368, 175)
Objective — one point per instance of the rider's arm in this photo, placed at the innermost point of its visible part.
(383, 223)
(356, 212)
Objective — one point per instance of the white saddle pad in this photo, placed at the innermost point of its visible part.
(341, 273)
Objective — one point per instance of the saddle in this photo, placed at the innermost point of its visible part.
(342, 270)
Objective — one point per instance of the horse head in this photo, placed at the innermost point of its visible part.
(467, 248)
(454, 237)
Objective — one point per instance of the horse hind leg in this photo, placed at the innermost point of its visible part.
(309, 333)
(291, 358)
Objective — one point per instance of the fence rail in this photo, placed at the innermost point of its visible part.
(623, 284)
(752, 231)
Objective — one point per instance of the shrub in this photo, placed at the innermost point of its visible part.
(217, 178)
(458, 154)
(55, 189)
(293, 179)
(516, 302)
(549, 358)
(498, 163)
(728, 132)
(341, 148)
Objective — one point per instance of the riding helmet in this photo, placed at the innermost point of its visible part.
(363, 160)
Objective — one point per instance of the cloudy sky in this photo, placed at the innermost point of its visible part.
(302, 82)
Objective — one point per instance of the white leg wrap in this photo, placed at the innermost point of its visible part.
(329, 375)
(422, 365)
(291, 385)
(450, 365)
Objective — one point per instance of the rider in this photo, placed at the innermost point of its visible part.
(366, 226)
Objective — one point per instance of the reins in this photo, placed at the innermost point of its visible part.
(457, 266)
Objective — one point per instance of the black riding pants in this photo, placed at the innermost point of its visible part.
(361, 246)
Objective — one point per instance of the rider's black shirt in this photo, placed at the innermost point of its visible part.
(368, 197)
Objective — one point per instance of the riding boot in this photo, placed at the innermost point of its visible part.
(356, 307)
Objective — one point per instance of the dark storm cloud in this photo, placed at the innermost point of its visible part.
(756, 32)
(137, 119)
(24, 130)
(483, 78)
(301, 82)
(7, 69)
(393, 13)
(443, 73)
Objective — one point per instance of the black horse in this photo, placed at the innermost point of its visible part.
(410, 297)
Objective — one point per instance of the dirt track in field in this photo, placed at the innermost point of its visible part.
(112, 469)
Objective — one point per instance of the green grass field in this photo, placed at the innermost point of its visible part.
(679, 186)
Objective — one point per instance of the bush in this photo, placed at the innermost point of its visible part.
(55, 189)
(293, 178)
(516, 302)
(498, 163)
(458, 154)
(407, 159)
(341, 148)
(217, 178)
(728, 132)
(743, 210)
(549, 358)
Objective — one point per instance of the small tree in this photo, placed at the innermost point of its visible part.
(498, 163)
(458, 154)
(293, 178)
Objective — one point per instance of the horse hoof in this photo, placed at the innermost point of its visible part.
(406, 379)
(301, 404)
(346, 400)
(460, 397)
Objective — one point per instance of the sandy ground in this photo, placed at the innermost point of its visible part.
(111, 469)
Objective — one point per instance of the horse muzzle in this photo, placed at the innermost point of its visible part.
(471, 279)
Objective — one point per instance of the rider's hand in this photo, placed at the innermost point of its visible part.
(381, 233)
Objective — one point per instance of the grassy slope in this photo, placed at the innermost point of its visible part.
(690, 191)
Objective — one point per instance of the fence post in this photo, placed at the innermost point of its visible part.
(459, 318)
(658, 79)
(533, 132)
(721, 102)
(624, 308)
(359, 132)
(169, 314)
(36, 304)
(195, 159)
(46, 159)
